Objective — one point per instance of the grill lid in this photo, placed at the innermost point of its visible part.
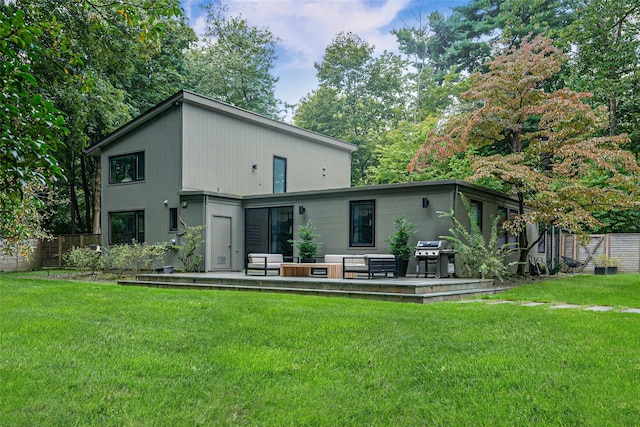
(431, 244)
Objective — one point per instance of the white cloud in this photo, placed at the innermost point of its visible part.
(307, 27)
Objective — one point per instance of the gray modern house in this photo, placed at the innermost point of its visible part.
(251, 181)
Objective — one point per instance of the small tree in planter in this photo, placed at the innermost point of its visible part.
(306, 246)
(605, 264)
(399, 242)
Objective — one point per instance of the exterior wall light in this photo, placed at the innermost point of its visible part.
(425, 202)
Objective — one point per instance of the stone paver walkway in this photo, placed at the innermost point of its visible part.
(596, 308)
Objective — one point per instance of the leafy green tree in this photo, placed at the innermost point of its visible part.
(359, 98)
(235, 63)
(539, 144)
(30, 126)
(108, 62)
(401, 143)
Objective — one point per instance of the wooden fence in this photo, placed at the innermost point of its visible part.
(624, 247)
(13, 261)
(51, 253)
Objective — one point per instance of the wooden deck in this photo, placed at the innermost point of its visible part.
(403, 289)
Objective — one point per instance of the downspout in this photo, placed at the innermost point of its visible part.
(207, 242)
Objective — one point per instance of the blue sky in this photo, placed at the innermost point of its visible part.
(306, 27)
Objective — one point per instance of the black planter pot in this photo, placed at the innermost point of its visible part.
(606, 270)
(402, 267)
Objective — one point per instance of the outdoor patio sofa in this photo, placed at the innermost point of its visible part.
(263, 263)
(369, 264)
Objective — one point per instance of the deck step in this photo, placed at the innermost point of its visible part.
(420, 298)
(395, 286)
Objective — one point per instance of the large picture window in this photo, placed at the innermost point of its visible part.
(125, 227)
(362, 223)
(126, 168)
(279, 175)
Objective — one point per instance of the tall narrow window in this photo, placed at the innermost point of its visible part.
(542, 245)
(173, 219)
(125, 227)
(502, 233)
(476, 213)
(512, 214)
(279, 175)
(126, 168)
(362, 223)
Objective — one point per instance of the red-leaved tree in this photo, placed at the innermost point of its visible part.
(545, 147)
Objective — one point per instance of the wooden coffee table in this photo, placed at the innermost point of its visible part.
(301, 269)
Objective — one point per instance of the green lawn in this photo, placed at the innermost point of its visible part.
(621, 290)
(74, 353)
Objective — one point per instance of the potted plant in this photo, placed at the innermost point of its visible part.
(399, 242)
(605, 264)
(307, 247)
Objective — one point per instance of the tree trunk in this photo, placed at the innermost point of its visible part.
(97, 192)
(523, 240)
(87, 192)
(613, 111)
(73, 200)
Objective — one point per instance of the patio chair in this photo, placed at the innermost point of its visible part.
(572, 264)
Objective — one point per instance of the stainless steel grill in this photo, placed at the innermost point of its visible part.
(434, 254)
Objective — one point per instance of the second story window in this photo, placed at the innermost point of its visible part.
(279, 175)
(126, 168)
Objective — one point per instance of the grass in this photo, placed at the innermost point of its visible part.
(621, 290)
(74, 353)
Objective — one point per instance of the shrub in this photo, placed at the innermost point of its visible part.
(135, 257)
(477, 257)
(83, 259)
(188, 257)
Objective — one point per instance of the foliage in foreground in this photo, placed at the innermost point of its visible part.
(95, 354)
(479, 258)
(189, 256)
